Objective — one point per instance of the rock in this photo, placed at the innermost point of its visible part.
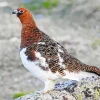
(86, 89)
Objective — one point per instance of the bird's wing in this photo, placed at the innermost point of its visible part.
(57, 56)
(54, 54)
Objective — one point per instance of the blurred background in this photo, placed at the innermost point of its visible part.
(73, 23)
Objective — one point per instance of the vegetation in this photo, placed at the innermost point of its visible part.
(38, 5)
(19, 94)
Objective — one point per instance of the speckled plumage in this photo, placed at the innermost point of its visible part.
(50, 49)
(45, 58)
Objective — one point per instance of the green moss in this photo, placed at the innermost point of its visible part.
(37, 5)
(16, 95)
(50, 3)
(97, 94)
(46, 5)
(79, 97)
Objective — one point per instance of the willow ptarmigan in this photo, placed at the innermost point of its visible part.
(45, 58)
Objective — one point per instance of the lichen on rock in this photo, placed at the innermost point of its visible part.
(86, 89)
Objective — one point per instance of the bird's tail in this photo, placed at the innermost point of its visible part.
(93, 69)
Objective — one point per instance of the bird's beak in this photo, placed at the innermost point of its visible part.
(15, 12)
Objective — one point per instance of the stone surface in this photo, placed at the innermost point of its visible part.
(86, 89)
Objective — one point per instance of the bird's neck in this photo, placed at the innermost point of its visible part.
(28, 22)
(30, 34)
(27, 19)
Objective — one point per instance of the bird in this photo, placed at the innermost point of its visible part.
(47, 59)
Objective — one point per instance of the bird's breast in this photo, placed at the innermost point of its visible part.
(39, 67)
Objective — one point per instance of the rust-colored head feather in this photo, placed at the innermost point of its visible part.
(28, 34)
(25, 16)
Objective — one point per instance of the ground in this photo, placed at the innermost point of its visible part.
(78, 29)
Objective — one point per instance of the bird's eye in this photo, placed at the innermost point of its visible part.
(21, 11)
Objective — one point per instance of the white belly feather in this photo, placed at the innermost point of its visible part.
(34, 68)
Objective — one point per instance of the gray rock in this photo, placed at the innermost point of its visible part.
(86, 89)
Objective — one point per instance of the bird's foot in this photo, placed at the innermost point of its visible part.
(49, 86)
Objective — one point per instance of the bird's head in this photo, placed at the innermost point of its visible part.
(23, 14)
